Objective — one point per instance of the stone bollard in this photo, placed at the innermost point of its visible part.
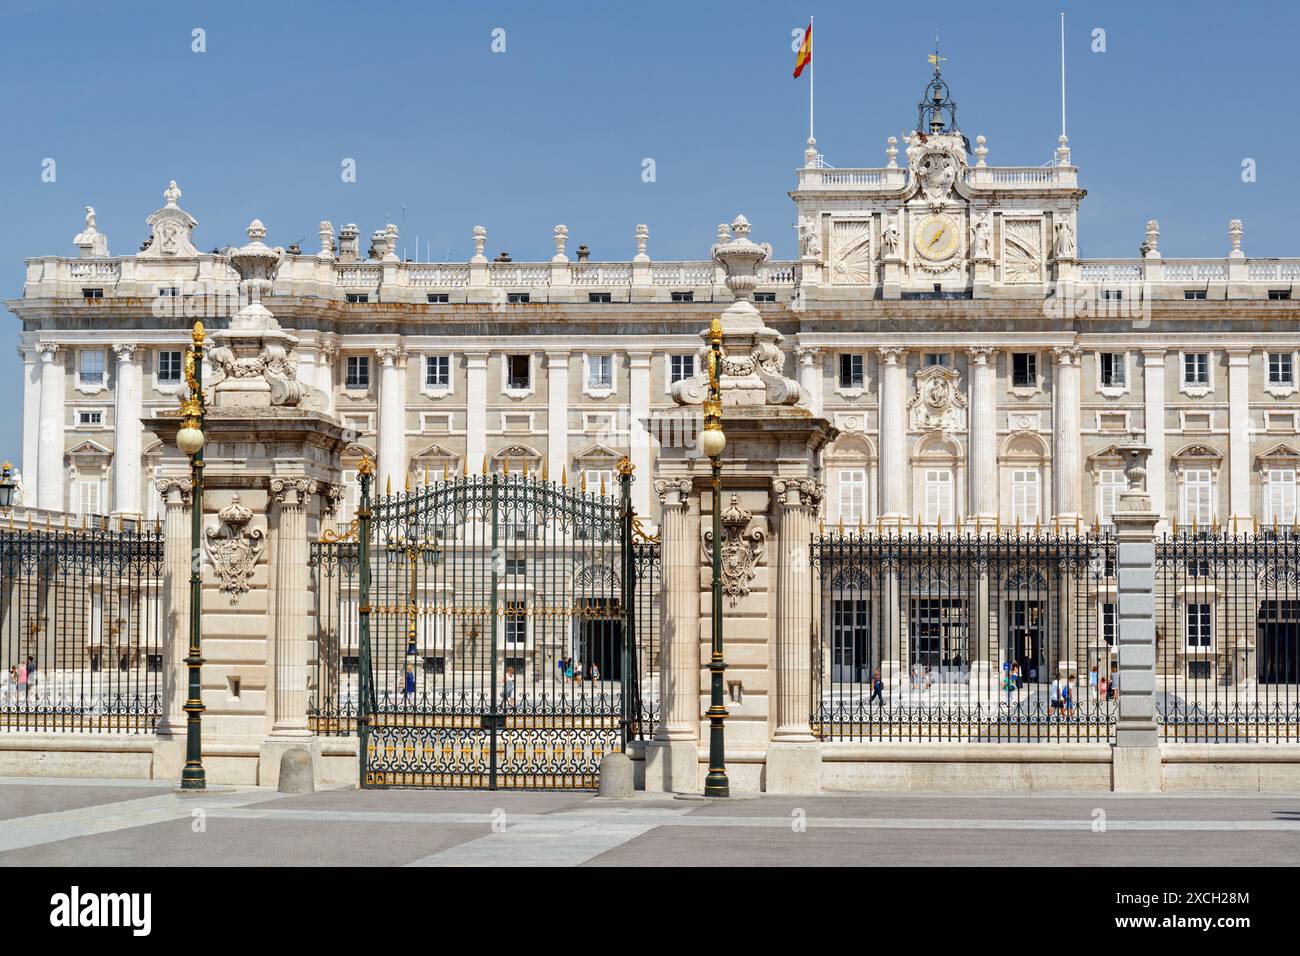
(616, 776)
(296, 772)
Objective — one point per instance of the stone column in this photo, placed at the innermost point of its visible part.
(392, 420)
(1136, 754)
(557, 414)
(1239, 439)
(289, 577)
(672, 758)
(476, 411)
(794, 757)
(1065, 428)
(639, 436)
(49, 489)
(983, 476)
(126, 453)
(893, 434)
(176, 611)
(810, 376)
(1153, 395)
(30, 463)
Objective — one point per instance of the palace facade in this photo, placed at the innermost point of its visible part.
(978, 369)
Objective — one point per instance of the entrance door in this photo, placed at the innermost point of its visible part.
(598, 640)
(939, 635)
(850, 638)
(1278, 642)
(1025, 638)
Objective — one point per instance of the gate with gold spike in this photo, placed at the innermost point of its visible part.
(495, 647)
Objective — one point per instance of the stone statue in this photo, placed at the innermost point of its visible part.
(983, 237)
(172, 193)
(90, 218)
(810, 246)
(890, 239)
(1063, 248)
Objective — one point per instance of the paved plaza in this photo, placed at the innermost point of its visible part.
(143, 823)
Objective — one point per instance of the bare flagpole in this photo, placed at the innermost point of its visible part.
(1062, 73)
(812, 78)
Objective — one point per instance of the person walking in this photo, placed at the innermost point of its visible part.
(1093, 681)
(1113, 687)
(877, 689)
(408, 683)
(508, 688)
(1067, 696)
(1054, 697)
(31, 672)
(23, 686)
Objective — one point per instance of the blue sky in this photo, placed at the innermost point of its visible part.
(555, 129)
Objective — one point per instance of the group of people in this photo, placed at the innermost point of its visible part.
(22, 678)
(577, 673)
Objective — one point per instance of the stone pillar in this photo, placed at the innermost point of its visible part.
(325, 360)
(810, 376)
(126, 453)
(1136, 754)
(983, 472)
(1153, 394)
(29, 464)
(392, 420)
(1239, 440)
(640, 438)
(49, 488)
(289, 563)
(672, 758)
(1065, 429)
(557, 415)
(794, 756)
(476, 412)
(176, 611)
(892, 450)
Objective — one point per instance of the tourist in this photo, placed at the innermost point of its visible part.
(1015, 675)
(595, 671)
(508, 687)
(578, 671)
(1054, 703)
(22, 680)
(1093, 681)
(1113, 687)
(1067, 696)
(31, 672)
(408, 684)
(877, 688)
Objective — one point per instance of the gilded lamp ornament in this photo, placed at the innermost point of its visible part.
(189, 439)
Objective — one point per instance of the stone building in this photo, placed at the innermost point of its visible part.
(979, 370)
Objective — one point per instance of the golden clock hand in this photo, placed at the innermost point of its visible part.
(937, 236)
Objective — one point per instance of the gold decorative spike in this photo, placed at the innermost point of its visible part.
(564, 476)
(485, 464)
(388, 485)
(196, 334)
(583, 485)
(408, 482)
(157, 525)
(544, 471)
(366, 467)
(1096, 524)
(426, 476)
(525, 467)
(445, 469)
(505, 465)
(602, 486)
(959, 524)
(841, 527)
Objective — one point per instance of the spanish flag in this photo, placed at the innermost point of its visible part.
(804, 56)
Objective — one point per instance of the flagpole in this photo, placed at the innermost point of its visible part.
(1063, 73)
(812, 78)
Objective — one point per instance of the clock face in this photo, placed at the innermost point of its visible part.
(936, 237)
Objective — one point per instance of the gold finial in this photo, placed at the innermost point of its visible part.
(426, 475)
(505, 465)
(544, 471)
(485, 463)
(366, 467)
(388, 485)
(525, 467)
(7, 466)
(583, 485)
(602, 486)
(408, 482)
(715, 331)
(444, 469)
(464, 467)
(196, 334)
(625, 466)
(564, 476)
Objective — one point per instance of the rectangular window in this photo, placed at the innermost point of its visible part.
(358, 372)
(90, 367)
(435, 665)
(169, 292)
(438, 298)
(1281, 497)
(87, 417)
(1279, 295)
(516, 630)
(519, 298)
(1199, 627)
(599, 297)
(516, 566)
(935, 358)
(683, 296)
(852, 373)
(1193, 293)
(437, 372)
(88, 497)
(169, 368)
(1112, 369)
(938, 496)
(1024, 370)
(357, 297)
(599, 481)
(764, 296)
(1024, 496)
(1196, 368)
(680, 367)
(850, 640)
(1110, 485)
(1280, 368)
(92, 293)
(853, 496)
(1109, 617)
(519, 372)
(1198, 497)
(600, 371)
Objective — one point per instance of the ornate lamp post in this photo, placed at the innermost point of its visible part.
(189, 439)
(7, 486)
(712, 442)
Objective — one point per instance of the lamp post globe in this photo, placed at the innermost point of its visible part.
(190, 439)
(712, 442)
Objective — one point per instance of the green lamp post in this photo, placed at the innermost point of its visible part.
(712, 442)
(189, 439)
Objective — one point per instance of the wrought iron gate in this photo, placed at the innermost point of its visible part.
(495, 647)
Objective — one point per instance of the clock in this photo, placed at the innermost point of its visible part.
(937, 237)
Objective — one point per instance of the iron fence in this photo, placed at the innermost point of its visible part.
(997, 637)
(644, 619)
(1228, 636)
(81, 629)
